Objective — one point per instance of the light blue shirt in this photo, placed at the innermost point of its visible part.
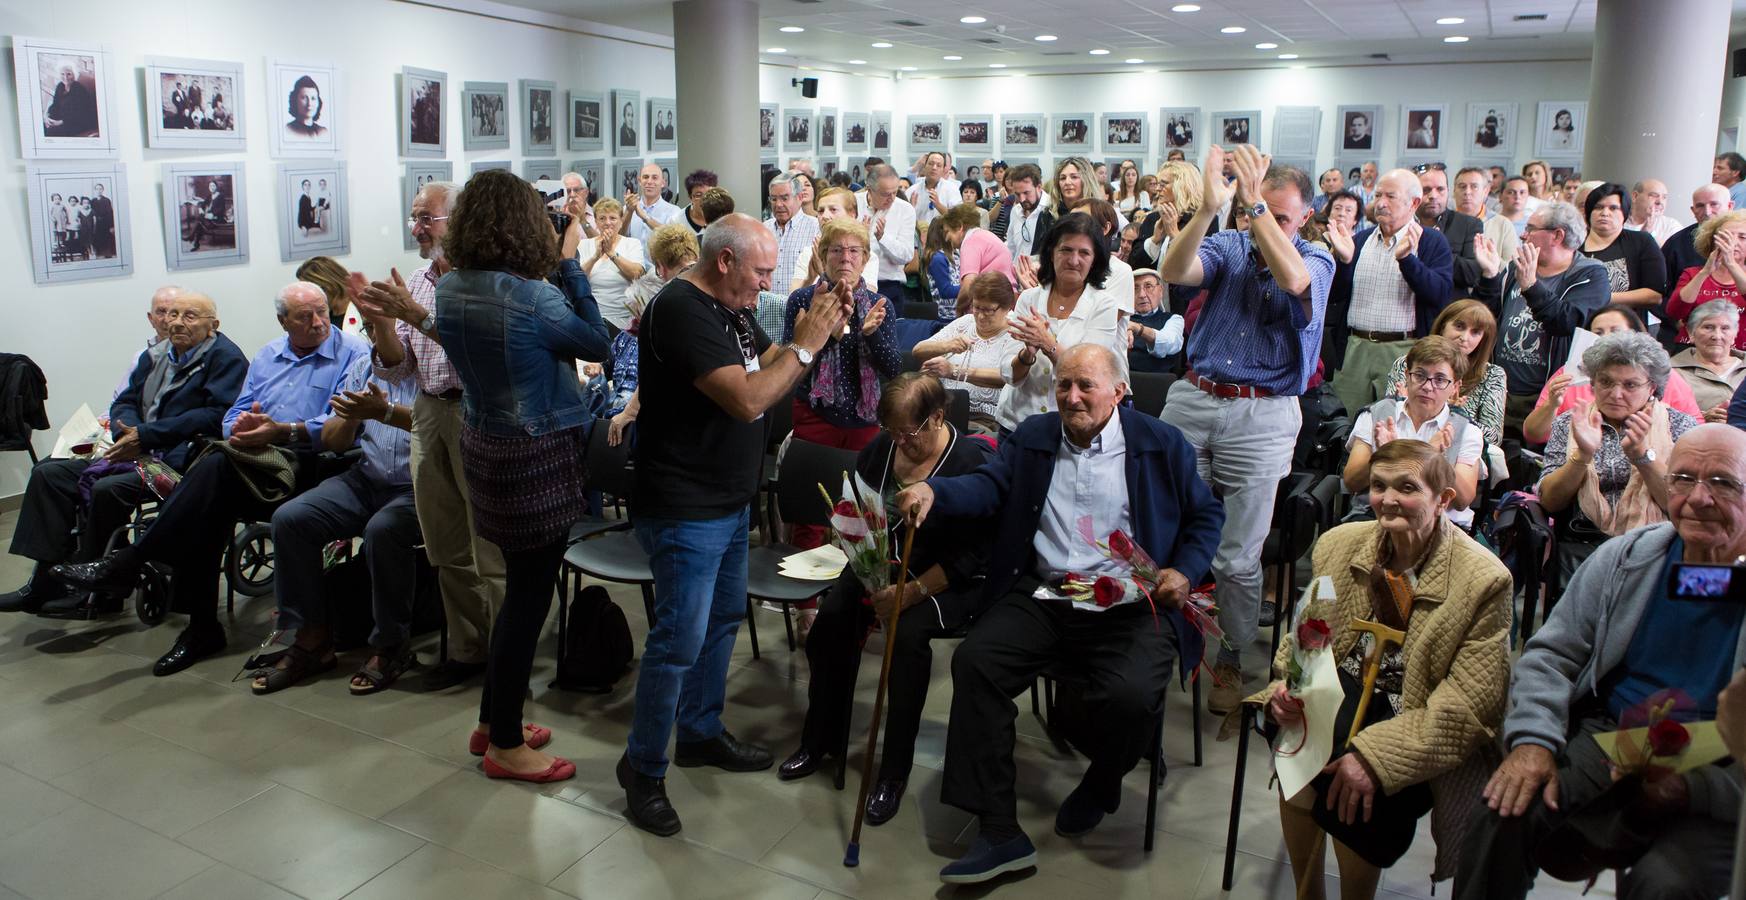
(387, 449)
(293, 388)
(1168, 339)
(1089, 482)
(1737, 193)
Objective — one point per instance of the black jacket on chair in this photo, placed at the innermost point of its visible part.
(23, 391)
(193, 403)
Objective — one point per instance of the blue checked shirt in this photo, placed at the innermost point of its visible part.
(1250, 332)
(387, 449)
(292, 388)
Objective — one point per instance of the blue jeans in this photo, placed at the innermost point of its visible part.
(700, 600)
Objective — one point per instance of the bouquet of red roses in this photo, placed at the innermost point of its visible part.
(858, 528)
(1304, 746)
(1145, 574)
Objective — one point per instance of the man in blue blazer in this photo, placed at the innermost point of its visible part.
(1390, 283)
(1120, 470)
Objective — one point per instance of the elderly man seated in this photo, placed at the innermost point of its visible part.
(267, 456)
(1099, 466)
(1615, 641)
(179, 390)
(374, 499)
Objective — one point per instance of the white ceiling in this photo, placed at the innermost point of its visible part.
(1321, 32)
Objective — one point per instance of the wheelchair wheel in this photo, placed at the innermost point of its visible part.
(249, 565)
(151, 601)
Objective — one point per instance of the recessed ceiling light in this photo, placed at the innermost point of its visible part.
(775, 49)
(1099, 52)
(997, 65)
(908, 68)
(973, 20)
(1045, 38)
(882, 45)
(1455, 39)
(1133, 60)
(1288, 56)
(1233, 29)
(1266, 45)
(1450, 20)
(857, 62)
(791, 29)
(952, 58)
(1185, 7)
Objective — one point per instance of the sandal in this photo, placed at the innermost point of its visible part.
(301, 663)
(397, 660)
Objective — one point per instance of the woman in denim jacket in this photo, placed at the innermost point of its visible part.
(513, 339)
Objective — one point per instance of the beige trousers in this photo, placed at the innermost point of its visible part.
(1304, 842)
(469, 568)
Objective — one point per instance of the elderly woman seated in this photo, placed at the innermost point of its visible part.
(1608, 458)
(1428, 733)
(1435, 367)
(966, 354)
(943, 594)
(1711, 366)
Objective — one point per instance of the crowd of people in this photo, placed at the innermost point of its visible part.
(1433, 314)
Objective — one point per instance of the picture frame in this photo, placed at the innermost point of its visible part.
(675, 183)
(926, 132)
(973, 133)
(194, 104)
(587, 121)
(769, 123)
(663, 124)
(1179, 129)
(486, 165)
(1359, 126)
(314, 210)
(1423, 129)
(1297, 132)
(856, 132)
(627, 127)
(797, 130)
(624, 178)
(416, 176)
(485, 115)
(1022, 133)
(65, 99)
(423, 130)
(1560, 127)
(881, 131)
(1073, 132)
(829, 166)
(1236, 126)
(542, 169)
(827, 129)
(57, 254)
(1125, 133)
(1492, 129)
(308, 124)
(592, 170)
(539, 134)
(206, 216)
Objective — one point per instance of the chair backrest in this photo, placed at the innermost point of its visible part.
(608, 469)
(1327, 494)
(958, 409)
(805, 467)
(1150, 389)
(913, 331)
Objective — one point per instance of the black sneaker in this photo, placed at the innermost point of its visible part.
(723, 752)
(1269, 613)
(646, 802)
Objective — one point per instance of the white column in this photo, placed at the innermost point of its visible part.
(715, 51)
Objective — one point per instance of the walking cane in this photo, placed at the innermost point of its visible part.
(852, 855)
(1383, 636)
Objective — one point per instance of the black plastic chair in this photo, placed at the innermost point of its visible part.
(1150, 391)
(1247, 724)
(1309, 511)
(1067, 673)
(805, 467)
(958, 409)
(609, 554)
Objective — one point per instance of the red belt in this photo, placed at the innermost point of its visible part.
(1225, 391)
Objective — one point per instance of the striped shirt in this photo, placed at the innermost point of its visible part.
(1250, 332)
(793, 240)
(436, 375)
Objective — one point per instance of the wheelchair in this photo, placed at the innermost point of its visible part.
(248, 565)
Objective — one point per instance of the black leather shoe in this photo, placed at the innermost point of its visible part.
(112, 574)
(1096, 796)
(646, 801)
(724, 752)
(191, 647)
(36, 592)
(802, 763)
(81, 605)
(886, 797)
(1269, 613)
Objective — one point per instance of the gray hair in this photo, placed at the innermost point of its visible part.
(1106, 358)
(447, 189)
(1408, 181)
(730, 232)
(282, 300)
(1559, 214)
(1710, 310)
(786, 179)
(1629, 348)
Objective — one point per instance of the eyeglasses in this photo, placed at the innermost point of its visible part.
(426, 221)
(1438, 381)
(896, 435)
(1630, 386)
(852, 252)
(184, 316)
(1721, 487)
(1530, 228)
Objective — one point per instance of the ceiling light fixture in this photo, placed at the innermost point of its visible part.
(908, 68)
(775, 49)
(1288, 56)
(973, 20)
(1450, 20)
(1185, 7)
(1045, 38)
(997, 65)
(1455, 39)
(857, 62)
(1232, 29)
(951, 58)
(1099, 52)
(791, 29)
(1266, 45)
(1133, 60)
(882, 45)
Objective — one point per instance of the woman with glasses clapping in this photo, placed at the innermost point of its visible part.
(1435, 367)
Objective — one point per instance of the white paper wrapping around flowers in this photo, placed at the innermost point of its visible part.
(1580, 340)
(81, 428)
(821, 563)
(1321, 695)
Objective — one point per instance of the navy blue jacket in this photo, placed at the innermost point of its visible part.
(1174, 515)
(193, 404)
(1737, 407)
(1430, 273)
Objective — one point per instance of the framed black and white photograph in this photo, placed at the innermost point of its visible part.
(973, 133)
(797, 130)
(1233, 127)
(1559, 127)
(672, 183)
(769, 125)
(881, 131)
(1181, 129)
(1358, 128)
(206, 217)
(314, 211)
(587, 110)
(663, 124)
(1124, 132)
(1297, 132)
(303, 104)
(487, 165)
(1422, 128)
(1491, 128)
(1022, 133)
(423, 133)
(539, 134)
(926, 133)
(627, 126)
(827, 129)
(542, 169)
(624, 178)
(830, 165)
(415, 177)
(485, 115)
(855, 132)
(194, 104)
(64, 99)
(591, 170)
(78, 222)
(1073, 132)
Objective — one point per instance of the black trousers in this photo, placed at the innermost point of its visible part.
(1128, 658)
(833, 652)
(1691, 858)
(50, 511)
(529, 577)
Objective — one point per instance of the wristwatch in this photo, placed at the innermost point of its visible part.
(429, 324)
(1647, 458)
(1258, 210)
(802, 354)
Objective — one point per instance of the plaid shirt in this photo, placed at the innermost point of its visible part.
(436, 375)
(1381, 298)
(793, 239)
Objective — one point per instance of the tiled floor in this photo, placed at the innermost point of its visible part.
(115, 785)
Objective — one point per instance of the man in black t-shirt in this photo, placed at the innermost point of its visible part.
(706, 373)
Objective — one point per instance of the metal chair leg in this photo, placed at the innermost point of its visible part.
(752, 627)
(649, 603)
(1154, 778)
(788, 626)
(1237, 795)
(1194, 691)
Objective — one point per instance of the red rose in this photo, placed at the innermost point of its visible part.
(1667, 738)
(846, 509)
(1106, 591)
(854, 538)
(1314, 634)
(1119, 546)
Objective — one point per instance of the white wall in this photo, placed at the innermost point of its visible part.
(844, 92)
(84, 335)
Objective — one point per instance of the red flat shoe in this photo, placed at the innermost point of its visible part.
(537, 736)
(559, 770)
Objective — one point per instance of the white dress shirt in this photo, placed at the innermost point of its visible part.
(1085, 482)
(951, 193)
(1096, 319)
(608, 283)
(1468, 453)
(897, 247)
(1661, 227)
(1021, 231)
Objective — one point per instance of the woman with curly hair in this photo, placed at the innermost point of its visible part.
(514, 339)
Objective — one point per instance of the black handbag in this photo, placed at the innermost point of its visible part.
(1394, 818)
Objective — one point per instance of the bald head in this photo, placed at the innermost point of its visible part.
(1088, 387)
(191, 319)
(650, 182)
(157, 312)
(1705, 502)
(737, 260)
(1710, 200)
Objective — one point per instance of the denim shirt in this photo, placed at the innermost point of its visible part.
(514, 342)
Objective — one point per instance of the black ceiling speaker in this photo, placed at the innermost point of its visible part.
(808, 87)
